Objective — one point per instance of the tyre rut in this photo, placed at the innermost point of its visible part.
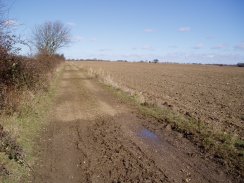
(92, 137)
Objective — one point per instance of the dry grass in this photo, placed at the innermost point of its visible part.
(24, 101)
(106, 78)
(23, 128)
(20, 77)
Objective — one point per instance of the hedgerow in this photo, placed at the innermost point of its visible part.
(19, 74)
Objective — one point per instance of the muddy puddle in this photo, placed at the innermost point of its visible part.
(148, 135)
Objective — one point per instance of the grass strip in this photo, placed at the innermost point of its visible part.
(25, 128)
(227, 148)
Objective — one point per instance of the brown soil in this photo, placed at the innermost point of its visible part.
(212, 94)
(92, 137)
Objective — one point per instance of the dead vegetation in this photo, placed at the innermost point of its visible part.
(21, 126)
(19, 74)
(24, 82)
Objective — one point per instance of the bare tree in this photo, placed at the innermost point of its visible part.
(2, 6)
(4, 9)
(51, 36)
(5, 38)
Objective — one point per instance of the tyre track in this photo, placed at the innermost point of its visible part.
(124, 156)
(94, 138)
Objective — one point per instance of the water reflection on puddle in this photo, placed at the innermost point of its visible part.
(147, 134)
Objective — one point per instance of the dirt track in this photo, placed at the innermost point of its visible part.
(92, 137)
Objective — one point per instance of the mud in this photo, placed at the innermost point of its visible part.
(92, 137)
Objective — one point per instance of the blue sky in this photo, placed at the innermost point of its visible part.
(206, 31)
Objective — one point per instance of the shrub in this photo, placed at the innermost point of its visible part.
(240, 64)
(18, 74)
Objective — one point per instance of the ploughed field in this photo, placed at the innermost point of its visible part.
(212, 94)
(92, 135)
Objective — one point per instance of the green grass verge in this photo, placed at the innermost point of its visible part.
(25, 127)
(228, 148)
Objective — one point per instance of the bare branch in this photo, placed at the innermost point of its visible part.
(51, 36)
(2, 11)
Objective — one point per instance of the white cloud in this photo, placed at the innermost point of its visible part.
(219, 46)
(147, 47)
(210, 37)
(105, 50)
(184, 29)
(240, 46)
(149, 30)
(11, 23)
(93, 39)
(204, 58)
(198, 46)
(71, 24)
(210, 56)
(77, 38)
(138, 57)
(173, 46)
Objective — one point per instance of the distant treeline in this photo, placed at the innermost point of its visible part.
(156, 61)
(240, 64)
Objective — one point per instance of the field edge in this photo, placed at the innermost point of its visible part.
(225, 149)
(24, 128)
